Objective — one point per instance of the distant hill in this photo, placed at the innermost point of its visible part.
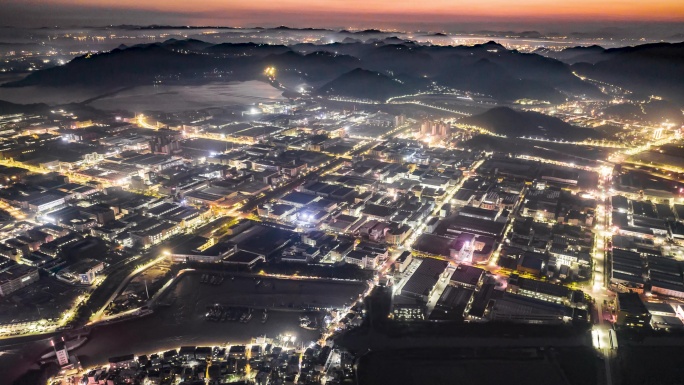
(655, 111)
(364, 84)
(572, 55)
(658, 111)
(623, 111)
(530, 34)
(608, 130)
(484, 76)
(247, 49)
(348, 40)
(130, 66)
(7, 108)
(649, 69)
(488, 69)
(512, 123)
(318, 66)
(192, 45)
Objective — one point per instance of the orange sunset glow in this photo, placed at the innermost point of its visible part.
(665, 10)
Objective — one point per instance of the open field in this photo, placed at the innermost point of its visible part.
(174, 98)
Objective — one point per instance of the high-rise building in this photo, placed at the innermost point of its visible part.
(165, 142)
(441, 129)
(434, 128)
(426, 127)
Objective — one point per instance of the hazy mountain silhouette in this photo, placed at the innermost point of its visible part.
(488, 69)
(193, 45)
(655, 111)
(513, 123)
(131, 66)
(318, 66)
(7, 108)
(572, 55)
(247, 49)
(364, 84)
(649, 69)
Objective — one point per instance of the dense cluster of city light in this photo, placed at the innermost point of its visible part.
(339, 214)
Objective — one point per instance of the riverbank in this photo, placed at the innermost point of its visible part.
(182, 320)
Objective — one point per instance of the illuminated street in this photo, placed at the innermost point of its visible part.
(490, 191)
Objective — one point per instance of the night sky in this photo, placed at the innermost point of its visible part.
(340, 13)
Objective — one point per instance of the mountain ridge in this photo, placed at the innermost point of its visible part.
(515, 123)
(488, 69)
